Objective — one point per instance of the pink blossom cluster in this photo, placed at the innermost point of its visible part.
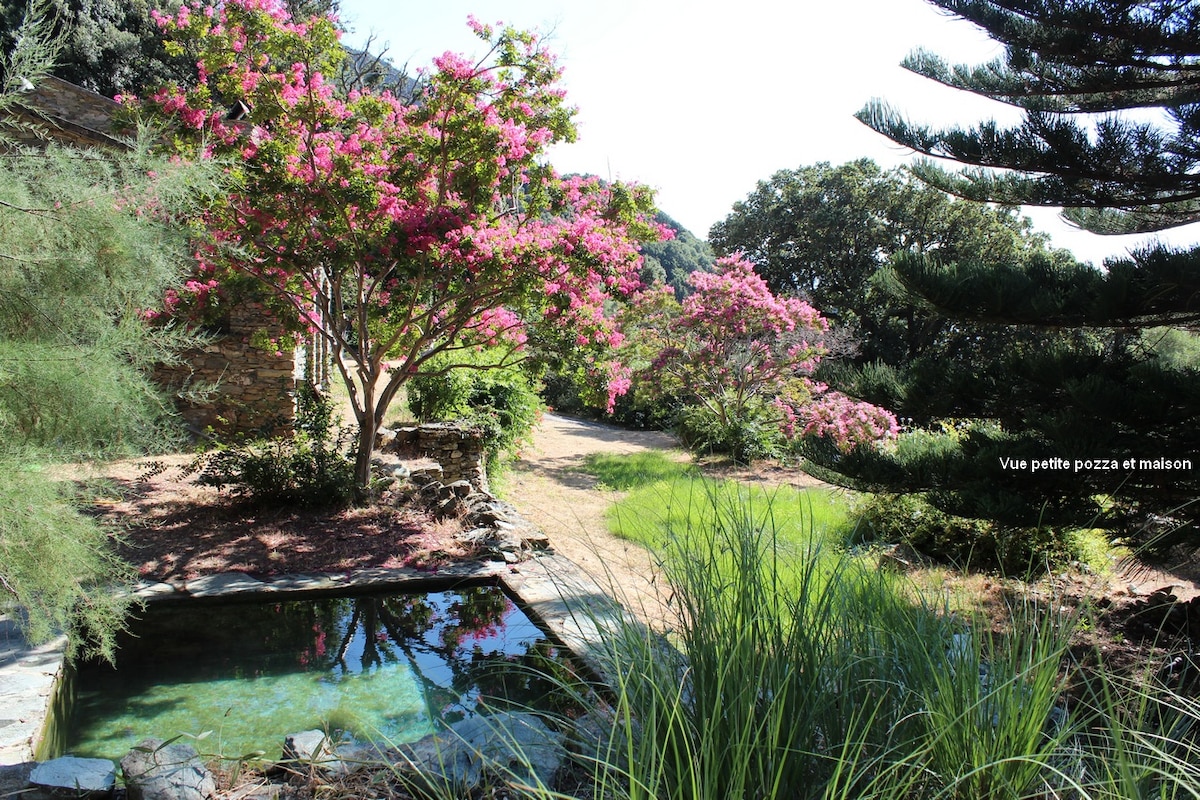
(733, 332)
(736, 348)
(737, 299)
(847, 422)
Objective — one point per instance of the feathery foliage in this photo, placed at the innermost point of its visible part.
(85, 249)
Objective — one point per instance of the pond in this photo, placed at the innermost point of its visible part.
(380, 667)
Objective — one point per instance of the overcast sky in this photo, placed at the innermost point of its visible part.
(701, 99)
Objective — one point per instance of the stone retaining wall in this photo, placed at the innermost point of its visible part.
(458, 448)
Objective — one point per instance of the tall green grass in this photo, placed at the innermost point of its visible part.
(803, 673)
(797, 671)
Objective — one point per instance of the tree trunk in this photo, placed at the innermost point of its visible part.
(368, 426)
(362, 460)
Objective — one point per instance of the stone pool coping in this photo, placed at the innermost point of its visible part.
(551, 589)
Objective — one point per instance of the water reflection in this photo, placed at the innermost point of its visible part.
(378, 666)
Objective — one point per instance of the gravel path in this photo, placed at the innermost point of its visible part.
(547, 485)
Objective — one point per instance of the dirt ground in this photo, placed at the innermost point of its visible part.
(549, 489)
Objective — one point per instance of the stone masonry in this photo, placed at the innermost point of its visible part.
(457, 448)
(234, 384)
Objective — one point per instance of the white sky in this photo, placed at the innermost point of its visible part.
(702, 99)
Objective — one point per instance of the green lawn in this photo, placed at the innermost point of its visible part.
(667, 497)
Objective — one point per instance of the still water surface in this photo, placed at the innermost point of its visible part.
(379, 667)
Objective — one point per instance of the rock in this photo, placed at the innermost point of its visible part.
(450, 507)
(157, 771)
(425, 475)
(509, 747)
(224, 583)
(14, 778)
(594, 739)
(475, 536)
(492, 544)
(900, 557)
(307, 747)
(75, 777)
(315, 749)
(486, 516)
(384, 438)
(460, 488)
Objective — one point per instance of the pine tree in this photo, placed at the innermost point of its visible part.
(1120, 411)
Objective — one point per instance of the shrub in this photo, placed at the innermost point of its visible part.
(59, 563)
(500, 400)
(980, 544)
(807, 674)
(568, 393)
(315, 467)
(752, 436)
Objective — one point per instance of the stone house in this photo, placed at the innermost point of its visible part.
(232, 385)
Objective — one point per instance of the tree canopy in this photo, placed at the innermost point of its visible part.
(829, 233)
(1065, 62)
(671, 261)
(108, 46)
(1095, 426)
(400, 230)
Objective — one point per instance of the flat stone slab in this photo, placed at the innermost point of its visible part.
(84, 775)
(153, 591)
(301, 582)
(224, 584)
(571, 605)
(14, 777)
(27, 678)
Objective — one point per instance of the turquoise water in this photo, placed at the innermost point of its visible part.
(234, 678)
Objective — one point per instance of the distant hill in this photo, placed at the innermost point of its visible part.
(364, 69)
(670, 262)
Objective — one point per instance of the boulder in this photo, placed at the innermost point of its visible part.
(75, 777)
(597, 738)
(15, 777)
(155, 770)
(510, 747)
(424, 475)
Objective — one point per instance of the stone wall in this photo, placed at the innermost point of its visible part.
(458, 448)
(234, 384)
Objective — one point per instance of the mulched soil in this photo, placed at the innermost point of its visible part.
(174, 530)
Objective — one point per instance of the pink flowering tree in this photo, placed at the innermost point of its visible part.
(741, 359)
(399, 231)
